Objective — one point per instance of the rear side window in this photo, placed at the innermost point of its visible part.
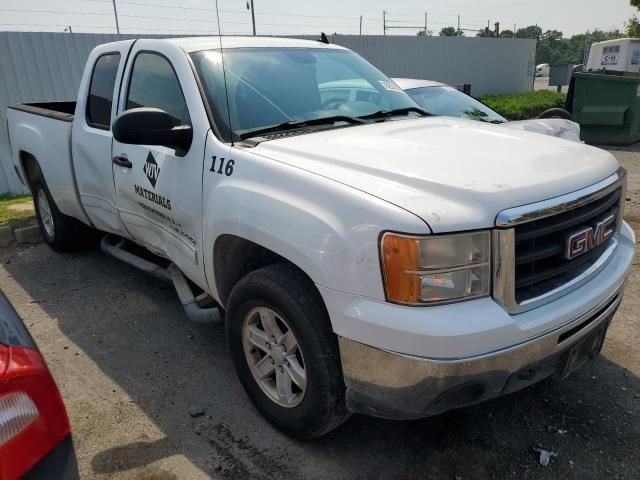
(154, 83)
(103, 79)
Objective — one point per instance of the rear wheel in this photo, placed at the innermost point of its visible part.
(61, 232)
(556, 113)
(284, 351)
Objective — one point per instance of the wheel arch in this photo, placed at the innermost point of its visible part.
(30, 168)
(235, 256)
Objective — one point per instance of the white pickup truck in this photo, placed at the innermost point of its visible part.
(370, 257)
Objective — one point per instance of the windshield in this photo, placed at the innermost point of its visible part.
(447, 101)
(269, 86)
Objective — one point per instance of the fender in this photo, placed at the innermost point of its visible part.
(327, 229)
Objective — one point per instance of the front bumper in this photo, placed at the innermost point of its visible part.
(390, 385)
(464, 353)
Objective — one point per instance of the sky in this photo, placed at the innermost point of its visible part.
(282, 17)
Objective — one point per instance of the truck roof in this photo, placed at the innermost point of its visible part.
(194, 44)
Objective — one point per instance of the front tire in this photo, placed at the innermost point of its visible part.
(61, 232)
(285, 352)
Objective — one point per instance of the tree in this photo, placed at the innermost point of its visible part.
(551, 36)
(422, 33)
(506, 34)
(532, 31)
(554, 48)
(451, 32)
(633, 27)
(486, 32)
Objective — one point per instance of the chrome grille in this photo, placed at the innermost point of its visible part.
(530, 262)
(540, 263)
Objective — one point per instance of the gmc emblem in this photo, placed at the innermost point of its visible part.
(584, 240)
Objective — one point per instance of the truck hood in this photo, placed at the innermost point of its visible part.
(454, 174)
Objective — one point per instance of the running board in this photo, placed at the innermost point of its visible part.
(113, 245)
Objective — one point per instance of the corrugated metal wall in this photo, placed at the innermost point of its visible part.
(490, 65)
(41, 66)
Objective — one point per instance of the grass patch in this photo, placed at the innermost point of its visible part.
(16, 210)
(523, 106)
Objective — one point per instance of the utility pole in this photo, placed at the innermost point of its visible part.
(115, 14)
(253, 19)
(426, 18)
(360, 25)
(497, 29)
(458, 23)
(384, 22)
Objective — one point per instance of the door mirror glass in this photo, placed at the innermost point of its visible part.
(152, 126)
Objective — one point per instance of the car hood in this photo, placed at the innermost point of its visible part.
(454, 174)
(556, 127)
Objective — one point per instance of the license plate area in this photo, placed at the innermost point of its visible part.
(583, 350)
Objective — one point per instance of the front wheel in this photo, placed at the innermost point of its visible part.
(284, 351)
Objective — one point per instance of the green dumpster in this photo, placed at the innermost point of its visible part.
(607, 107)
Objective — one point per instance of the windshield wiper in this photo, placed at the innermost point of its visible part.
(394, 112)
(292, 125)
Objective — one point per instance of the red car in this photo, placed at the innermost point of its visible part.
(35, 435)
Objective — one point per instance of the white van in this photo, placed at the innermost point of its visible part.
(543, 70)
(622, 54)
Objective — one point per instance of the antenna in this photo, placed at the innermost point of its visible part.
(115, 14)
(224, 74)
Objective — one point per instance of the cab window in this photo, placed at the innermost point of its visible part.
(153, 83)
(103, 80)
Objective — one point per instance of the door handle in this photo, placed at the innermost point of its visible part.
(122, 162)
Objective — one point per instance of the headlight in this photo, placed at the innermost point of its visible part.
(436, 269)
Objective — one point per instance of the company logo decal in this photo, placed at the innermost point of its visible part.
(152, 197)
(589, 238)
(151, 170)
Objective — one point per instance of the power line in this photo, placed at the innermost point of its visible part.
(273, 14)
(149, 17)
(179, 19)
(356, 25)
(13, 10)
(395, 13)
(52, 25)
(172, 18)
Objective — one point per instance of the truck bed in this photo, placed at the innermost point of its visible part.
(58, 110)
(43, 131)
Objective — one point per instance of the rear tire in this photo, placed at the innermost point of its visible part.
(279, 295)
(61, 232)
(556, 113)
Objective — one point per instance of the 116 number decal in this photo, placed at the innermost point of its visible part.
(225, 167)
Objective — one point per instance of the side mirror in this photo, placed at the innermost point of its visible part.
(152, 126)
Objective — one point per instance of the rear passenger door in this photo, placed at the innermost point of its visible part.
(91, 139)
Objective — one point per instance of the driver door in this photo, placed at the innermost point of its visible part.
(159, 190)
